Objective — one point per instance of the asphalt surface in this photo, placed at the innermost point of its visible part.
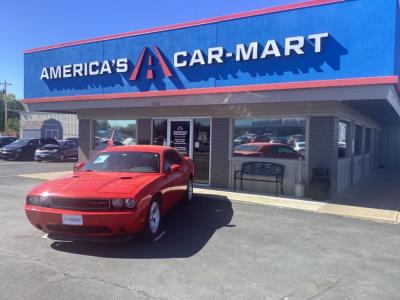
(213, 249)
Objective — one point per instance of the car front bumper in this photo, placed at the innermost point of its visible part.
(10, 155)
(46, 156)
(96, 225)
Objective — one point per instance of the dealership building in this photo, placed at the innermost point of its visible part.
(319, 77)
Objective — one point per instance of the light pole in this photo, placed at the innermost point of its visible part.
(5, 84)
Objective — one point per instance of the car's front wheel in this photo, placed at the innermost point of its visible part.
(189, 191)
(153, 224)
(61, 157)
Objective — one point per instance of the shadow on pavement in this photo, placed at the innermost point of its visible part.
(188, 229)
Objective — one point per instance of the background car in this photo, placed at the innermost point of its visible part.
(300, 147)
(64, 149)
(120, 192)
(265, 138)
(272, 150)
(5, 140)
(243, 139)
(24, 149)
(76, 140)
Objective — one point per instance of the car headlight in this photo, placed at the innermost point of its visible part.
(18, 150)
(33, 200)
(38, 200)
(117, 203)
(130, 203)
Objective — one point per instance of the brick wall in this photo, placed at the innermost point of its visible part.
(323, 149)
(220, 153)
(143, 131)
(85, 137)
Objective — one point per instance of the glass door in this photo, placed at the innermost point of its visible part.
(201, 149)
(179, 136)
(191, 137)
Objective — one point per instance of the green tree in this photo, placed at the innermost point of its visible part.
(13, 105)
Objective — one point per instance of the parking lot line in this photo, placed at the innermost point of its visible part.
(8, 163)
(46, 176)
(159, 236)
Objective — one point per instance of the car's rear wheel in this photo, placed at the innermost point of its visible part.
(153, 223)
(189, 191)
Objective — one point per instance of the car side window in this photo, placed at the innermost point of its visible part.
(171, 157)
(33, 143)
(176, 157)
(285, 150)
(167, 161)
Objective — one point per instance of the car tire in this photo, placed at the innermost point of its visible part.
(153, 220)
(38, 160)
(61, 157)
(189, 191)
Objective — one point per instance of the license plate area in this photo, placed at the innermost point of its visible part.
(76, 220)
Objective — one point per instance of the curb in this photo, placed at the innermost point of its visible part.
(371, 214)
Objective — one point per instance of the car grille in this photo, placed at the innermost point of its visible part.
(78, 229)
(80, 204)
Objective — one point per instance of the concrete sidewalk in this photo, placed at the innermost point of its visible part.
(379, 214)
(373, 214)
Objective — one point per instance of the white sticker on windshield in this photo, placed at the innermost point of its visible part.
(101, 158)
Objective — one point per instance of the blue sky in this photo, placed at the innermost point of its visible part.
(27, 24)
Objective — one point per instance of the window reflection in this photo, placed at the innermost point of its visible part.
(160, 132)
(123, 132)
(275, 138)
(342, 139)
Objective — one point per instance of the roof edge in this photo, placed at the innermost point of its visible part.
(268, 10)
(227, 89)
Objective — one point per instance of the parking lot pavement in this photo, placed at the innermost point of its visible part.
(213, 249)
(13, 168)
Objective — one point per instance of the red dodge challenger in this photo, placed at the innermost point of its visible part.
(120, 192)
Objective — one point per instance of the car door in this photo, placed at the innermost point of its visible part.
(30, 149)
(170, 187)
(181, 180)
(67, 149)
(74, 149)
(287, 152)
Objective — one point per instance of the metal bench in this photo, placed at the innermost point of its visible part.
(262, 172)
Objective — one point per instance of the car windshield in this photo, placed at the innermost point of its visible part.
(136, 162)
(21, 142)
(247, 147)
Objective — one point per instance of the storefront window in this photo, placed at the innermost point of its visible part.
(160, 127)
(342, 140)
(367, 140)
(264, 135)
(122, 131)
(358, 140)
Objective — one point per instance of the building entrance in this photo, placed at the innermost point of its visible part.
(191, 137)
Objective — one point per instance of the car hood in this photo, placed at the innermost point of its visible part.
(12, 147)
(96, 184)
(49, 147)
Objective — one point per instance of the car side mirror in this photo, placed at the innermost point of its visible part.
(78, 166)
(175, 168)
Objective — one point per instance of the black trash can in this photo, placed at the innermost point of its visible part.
(320, 183)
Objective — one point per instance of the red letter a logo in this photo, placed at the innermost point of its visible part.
(150, 74)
